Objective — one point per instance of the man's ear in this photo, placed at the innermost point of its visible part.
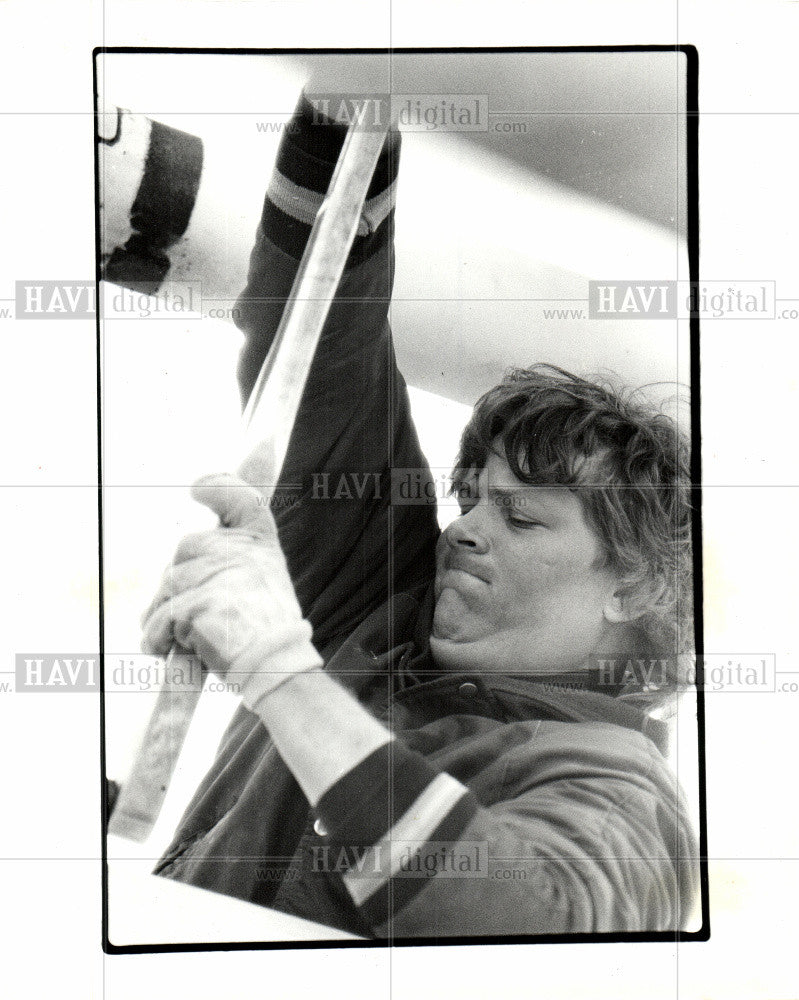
(632, 600)
(617, 609)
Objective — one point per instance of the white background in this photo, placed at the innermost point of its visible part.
(50, 779)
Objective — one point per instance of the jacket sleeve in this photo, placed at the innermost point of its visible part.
(345, 544)
(592, 845)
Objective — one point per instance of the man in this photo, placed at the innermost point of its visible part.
(432, 742)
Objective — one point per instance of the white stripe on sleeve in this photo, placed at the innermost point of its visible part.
(382, 860)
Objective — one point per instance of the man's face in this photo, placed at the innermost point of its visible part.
(518, 585)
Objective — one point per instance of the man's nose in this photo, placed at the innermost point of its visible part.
(465, 533)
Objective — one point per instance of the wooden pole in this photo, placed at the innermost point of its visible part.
(266, 428)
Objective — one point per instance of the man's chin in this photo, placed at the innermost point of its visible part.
(451, 616)
(461, 638)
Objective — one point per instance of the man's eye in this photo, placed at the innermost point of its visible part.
(522, 522)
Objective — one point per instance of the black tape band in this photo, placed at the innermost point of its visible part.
(161, 211)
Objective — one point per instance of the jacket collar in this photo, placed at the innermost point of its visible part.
(394, 640)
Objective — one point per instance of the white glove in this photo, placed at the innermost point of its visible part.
(227, 597)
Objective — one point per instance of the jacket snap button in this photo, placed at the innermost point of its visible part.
(468, 689)
(319, 828)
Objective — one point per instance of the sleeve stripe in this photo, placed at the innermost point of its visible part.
(415, 825)
(302, 204)
(298, 202)
(392, 897)
(366, 802)
(375, 210)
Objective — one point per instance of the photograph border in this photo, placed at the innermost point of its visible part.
(692, 229)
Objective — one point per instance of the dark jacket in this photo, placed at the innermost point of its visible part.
(507, 804)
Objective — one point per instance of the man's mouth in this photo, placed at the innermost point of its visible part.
(464, 564)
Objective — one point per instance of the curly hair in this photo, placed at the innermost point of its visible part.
(628, 463)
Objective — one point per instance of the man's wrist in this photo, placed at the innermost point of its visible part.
(319, 729)
(267, 666)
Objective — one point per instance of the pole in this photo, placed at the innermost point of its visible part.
(267, 424)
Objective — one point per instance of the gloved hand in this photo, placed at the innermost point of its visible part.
(227, 596)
